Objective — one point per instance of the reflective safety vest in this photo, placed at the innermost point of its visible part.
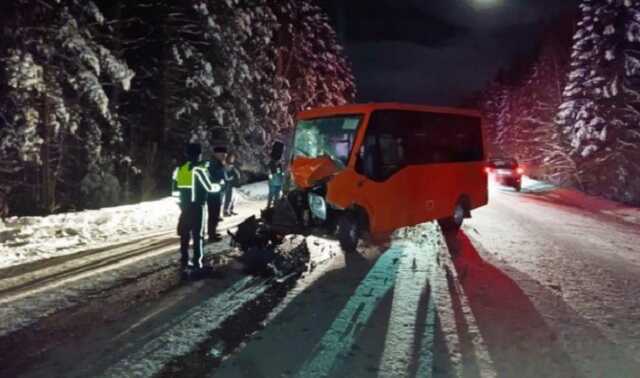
(191, 182)
(184, 176)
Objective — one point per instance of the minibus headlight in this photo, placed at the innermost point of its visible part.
(318, 206)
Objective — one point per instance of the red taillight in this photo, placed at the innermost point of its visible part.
(487, 170)
(520, 170)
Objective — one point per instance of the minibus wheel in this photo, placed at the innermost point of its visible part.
(348, 232)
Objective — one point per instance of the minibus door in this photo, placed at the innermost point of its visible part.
(381, 184)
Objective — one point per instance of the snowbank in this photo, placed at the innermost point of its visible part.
(571, 197)
(258, 191)
(530, 185)
(27, 239)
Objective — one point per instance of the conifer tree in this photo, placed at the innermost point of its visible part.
(599, 115)
(59, 126)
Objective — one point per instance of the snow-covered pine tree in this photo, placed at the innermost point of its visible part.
(600, 112)
(493, 104)
(500, 108)
(255, 103)
(540, 140)
(271, 95)
(627, 133)
(193, 70)
(227, 75)
(58, 123)
(520, 108)
(310, 58)
(115, 36)
(223, 73)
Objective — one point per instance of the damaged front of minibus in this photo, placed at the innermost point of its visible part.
(317, 185)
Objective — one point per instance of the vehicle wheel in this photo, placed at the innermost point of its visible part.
(277, 238)
(518, 187)
(348, 232)
(454, 222)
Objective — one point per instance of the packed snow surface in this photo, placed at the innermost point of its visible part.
(536, 284)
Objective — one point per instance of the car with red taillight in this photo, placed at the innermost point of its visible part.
(506, 171)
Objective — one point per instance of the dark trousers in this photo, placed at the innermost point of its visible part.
(229, 201)
(214, 202)
(190, 226)
(275, 192)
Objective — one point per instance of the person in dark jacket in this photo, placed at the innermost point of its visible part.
(232, 180)
(214, 200)
(276, 174)
(192, 185)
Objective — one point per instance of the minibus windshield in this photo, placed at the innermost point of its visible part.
(331, 136)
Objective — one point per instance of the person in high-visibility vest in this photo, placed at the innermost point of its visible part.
(192, 184)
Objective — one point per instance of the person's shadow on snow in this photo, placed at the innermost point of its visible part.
(518, 338)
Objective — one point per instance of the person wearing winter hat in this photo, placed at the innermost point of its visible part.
(232, 180)
(192, 185)
(276, 174)
(214, 200)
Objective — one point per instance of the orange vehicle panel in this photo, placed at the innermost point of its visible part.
(413, 195)
(307, 171)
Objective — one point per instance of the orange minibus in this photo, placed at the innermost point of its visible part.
(370, 169)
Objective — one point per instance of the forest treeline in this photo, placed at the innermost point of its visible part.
(98, 98)
(572, 114)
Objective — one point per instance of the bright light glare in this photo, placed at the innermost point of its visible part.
(483, 4)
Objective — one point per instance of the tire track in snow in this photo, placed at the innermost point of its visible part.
(86, 266)
(345, 329)
(411, 282)
(467, 348)
(422, 274)
(192, 329)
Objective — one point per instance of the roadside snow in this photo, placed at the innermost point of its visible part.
(258, 191)
(574, 198)
(28, 239)
(530, 185)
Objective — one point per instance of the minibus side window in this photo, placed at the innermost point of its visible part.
(391, 153)
(446, 138)
(384, 146)
(399, 138)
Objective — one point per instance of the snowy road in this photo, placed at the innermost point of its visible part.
(533, 286)
(553, 283)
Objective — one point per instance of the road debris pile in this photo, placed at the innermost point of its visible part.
(267, 253)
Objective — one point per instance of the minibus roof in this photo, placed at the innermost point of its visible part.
(367, 108)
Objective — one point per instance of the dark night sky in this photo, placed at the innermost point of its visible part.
(435, 51)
